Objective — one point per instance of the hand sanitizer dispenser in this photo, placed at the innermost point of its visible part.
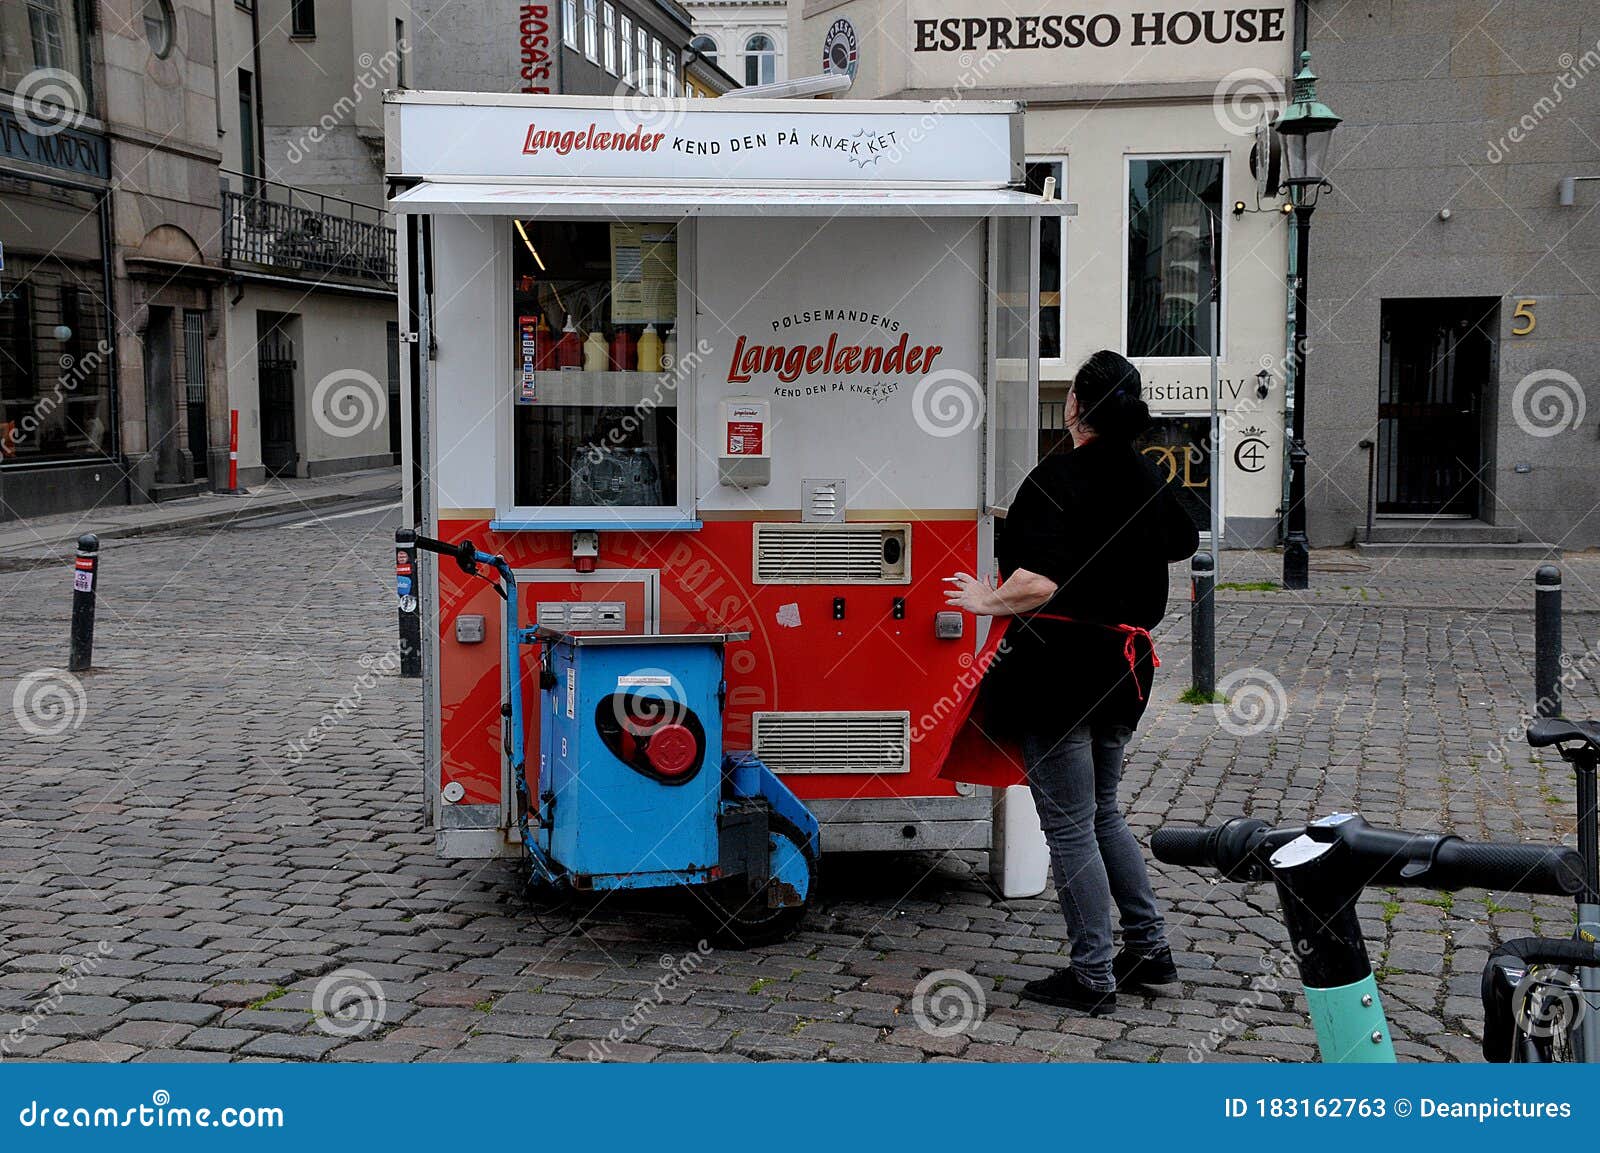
(744, 458)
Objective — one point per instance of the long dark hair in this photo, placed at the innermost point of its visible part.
(1108, 390)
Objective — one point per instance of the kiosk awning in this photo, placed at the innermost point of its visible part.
(622, 200)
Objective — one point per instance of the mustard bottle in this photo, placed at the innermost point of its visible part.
(649, 350)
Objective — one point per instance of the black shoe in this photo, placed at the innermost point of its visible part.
(1135, 969)
(1065, 989)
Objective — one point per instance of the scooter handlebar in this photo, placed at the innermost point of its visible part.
(1547, 870)
(1240, 850)
(1194, 848)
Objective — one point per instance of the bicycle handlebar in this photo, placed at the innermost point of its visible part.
(1242, 850)
(466, 555)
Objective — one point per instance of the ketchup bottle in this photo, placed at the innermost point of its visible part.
(569, 349)
(623, 351)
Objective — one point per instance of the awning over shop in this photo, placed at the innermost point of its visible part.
(619, 200)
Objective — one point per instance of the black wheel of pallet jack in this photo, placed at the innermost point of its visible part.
(736, 918)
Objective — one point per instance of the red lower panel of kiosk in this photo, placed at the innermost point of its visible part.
(798, 658)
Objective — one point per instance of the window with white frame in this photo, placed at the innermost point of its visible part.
(1052, 260)
(706, 46)
(607, 436)
(672, 71)
(641, 78)
(760, 60)
(1174, 255)
(569, 23)
(656, 84)
(608, 30)
(591, 30)
(627, 43)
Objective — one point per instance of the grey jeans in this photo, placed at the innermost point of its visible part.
(1093, 853)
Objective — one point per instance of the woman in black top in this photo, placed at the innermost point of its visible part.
(1084, 552)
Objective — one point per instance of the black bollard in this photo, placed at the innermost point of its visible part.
(1203, 624)
(85, 576)
(406, 589)
(1547, 641)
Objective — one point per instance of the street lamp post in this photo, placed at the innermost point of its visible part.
(1305, 126)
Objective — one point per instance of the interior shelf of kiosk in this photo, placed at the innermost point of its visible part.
(573, 386)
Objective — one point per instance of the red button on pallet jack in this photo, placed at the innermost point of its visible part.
(672, 750)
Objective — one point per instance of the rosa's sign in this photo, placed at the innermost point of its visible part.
(534, 29)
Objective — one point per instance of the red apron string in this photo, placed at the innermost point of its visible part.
(1130, 643)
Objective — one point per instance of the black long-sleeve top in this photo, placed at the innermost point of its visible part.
(1101, 523)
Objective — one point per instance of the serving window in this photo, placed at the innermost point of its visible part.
(595, 364)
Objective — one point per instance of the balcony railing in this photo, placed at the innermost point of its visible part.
(308, 234)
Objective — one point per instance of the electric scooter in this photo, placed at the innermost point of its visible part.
(1320, 869)
(632, 789)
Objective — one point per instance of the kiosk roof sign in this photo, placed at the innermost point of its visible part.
(433, 136)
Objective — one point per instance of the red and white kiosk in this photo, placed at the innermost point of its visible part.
(769, 365)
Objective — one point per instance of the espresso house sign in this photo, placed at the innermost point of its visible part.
(1055, 44)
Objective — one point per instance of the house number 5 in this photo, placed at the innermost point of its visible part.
(1524, 313)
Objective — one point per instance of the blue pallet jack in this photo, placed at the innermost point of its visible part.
(633, 789)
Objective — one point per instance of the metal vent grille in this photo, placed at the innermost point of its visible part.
(831, 553)
(594, 616)
(822, 501)
(855, 742)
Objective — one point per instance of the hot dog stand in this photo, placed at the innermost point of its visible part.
(766, 367)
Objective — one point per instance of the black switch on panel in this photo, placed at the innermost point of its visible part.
(899, 608)
(838, 608)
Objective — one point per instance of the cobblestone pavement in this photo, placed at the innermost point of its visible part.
(177, 884)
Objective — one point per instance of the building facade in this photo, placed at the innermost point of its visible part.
(59, 443)
(575, 47)
(111, 361)
(1455, 325)
(1147, 120)
(609, 48)
(748, 39)
(312, 326)
(160, 61)
(195, 235)
(313, 330)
